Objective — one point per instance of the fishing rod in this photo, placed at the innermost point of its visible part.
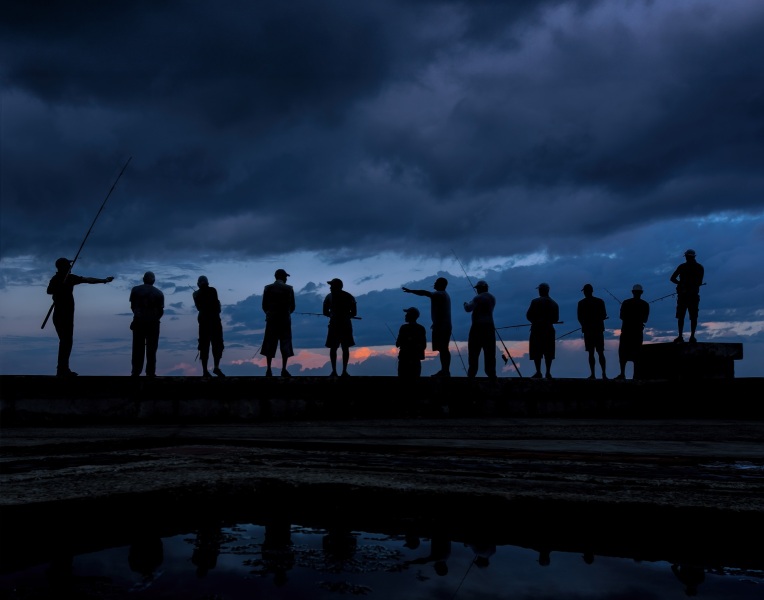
(526, 325)
(76, 256)
(611, 293)
(495, 330)
(669, 295)
(567, 334)
(472, 562)
(391, 332)
(460, 355)
(321, 315)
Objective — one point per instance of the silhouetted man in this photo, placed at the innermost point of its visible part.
(147, 304)
(411, 342)
(210, 326)
(340, 307)
(634, 313)
(591, 314)
(440, 313)
(688, 278)
(482, 336)
(61, 287)
(542, 313)
(278, 305)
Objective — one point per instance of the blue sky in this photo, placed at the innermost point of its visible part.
(384, 143)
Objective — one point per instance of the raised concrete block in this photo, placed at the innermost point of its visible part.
(688, 361)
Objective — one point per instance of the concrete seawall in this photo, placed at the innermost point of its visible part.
(36, 400)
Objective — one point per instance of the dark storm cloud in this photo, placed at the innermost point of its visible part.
(351, 128)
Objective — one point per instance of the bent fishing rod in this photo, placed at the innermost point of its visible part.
(50, 310)
(495, 330)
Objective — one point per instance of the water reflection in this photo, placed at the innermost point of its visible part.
(280, 559)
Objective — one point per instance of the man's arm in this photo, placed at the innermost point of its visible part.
(675, 277)
(418, 292)
(96, 280)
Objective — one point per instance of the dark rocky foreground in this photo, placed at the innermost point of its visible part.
(660, 470)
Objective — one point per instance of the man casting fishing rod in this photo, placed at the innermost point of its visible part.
(61, 287)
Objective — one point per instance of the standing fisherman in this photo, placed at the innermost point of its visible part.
(210, 326)
(542, 313)
(340, 306)
(440, 313)
(61, 287)
(147, 304)
(591, 315)
(278, 304)
(634, 314)
(688, 277)
(482, 331)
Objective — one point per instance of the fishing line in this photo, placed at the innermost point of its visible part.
(76, 256)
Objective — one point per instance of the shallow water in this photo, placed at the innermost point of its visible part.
(283, 560)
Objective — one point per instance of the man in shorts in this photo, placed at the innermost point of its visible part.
(688, 277)
(591, 314)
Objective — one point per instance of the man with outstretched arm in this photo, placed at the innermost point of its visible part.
(440, 313)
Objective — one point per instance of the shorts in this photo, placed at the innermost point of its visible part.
(541, 344)
(630, 345)
(340, 334)
(594, 341)
(277, 333)
(687, 303)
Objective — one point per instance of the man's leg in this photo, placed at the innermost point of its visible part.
(489, 357)
(152, 343)
(445, 361)
(345, 359)
(139, 349)
(548, 366)
(602, 363)
(591, 364)
(693, 327)
(65, 330)
(537, 364)
(204, 355)
(284, 361)
(333, 360)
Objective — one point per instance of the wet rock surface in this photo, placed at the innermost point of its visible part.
(686, 482)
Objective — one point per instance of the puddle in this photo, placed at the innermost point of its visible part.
(279, 559)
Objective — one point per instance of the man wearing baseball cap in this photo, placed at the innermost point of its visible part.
(482, 335)
(61, 287)
(210, 326)
(591, 313)
(340, 306)
(634, 314)
(411, 342)
(688, 277)
(543, 312)
(440, 312)
(278, 305)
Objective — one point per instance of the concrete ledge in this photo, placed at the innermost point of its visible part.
(27, 400)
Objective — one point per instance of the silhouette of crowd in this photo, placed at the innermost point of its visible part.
(340, 308)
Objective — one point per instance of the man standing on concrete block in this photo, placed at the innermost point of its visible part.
(688, 277)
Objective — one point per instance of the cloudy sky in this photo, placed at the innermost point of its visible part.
(385, 143)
